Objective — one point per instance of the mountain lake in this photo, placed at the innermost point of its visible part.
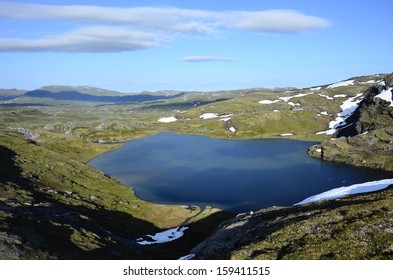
(233, 175)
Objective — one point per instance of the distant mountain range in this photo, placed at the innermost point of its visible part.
(87, 94)
(77, 96)
(15, 97)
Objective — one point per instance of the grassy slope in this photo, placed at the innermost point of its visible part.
(70, 205)
(349, 228)
(352, 227)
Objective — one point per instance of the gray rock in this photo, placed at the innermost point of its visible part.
(389, 80)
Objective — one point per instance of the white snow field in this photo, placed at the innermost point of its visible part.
(353, 189)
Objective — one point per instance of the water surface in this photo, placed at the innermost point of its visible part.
(234, 175)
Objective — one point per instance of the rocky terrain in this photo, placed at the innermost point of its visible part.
(352, 227)
(366, 136)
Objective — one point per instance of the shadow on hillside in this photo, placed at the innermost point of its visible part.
(64, 231)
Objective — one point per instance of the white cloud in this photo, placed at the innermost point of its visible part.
(89, 39)
(279, 21)
(164, 19)
(206, 59)
(145, 26)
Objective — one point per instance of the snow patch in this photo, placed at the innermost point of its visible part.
(206, 116)
(347, 109)
(287, 98)
(269, 101)
(226, 118)
(232, 129)
(167, 119)
(187, 257)
(286, 134)
(387, 95)
(368, 82)
(163, 237)
(324, 113)
(315, 88)
(353, 189)
(326, 96)
(342, 84)
(340, 95)
(350, 105)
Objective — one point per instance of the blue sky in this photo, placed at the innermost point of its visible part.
(133, 46)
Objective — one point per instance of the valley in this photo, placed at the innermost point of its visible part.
(54, 206)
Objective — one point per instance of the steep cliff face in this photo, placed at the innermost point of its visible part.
(366, 137)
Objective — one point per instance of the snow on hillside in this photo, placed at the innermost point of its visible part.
(187, 257)
(167, 119)
(206, 116)
(283, 98)
(387, 95)
(353, 189)
(342, 84)
(347, 109)
(268, 101)
(163, 237)
(286, 99)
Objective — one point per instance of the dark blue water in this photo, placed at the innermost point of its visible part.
(234, 175)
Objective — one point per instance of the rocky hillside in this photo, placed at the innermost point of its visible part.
(354, 227)
(365, 138)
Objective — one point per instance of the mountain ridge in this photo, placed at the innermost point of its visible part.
(78, 96)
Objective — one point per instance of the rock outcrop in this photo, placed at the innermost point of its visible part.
(372, 113)
(352, 227)
(366, 138)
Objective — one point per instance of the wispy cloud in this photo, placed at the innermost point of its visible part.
(206, 59)
(279, 21)
(89, 39)
(146, 26)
